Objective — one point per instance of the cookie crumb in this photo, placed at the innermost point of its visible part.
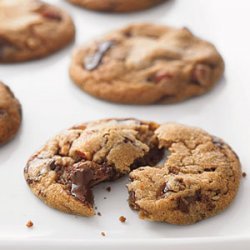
(122, 219)
(108, 188)
(99, 214)
(96, 208)
(29, 224)
(103, 234)
(244, 174)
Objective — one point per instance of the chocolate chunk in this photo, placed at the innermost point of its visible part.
(54, 167)
(93, 61)
(86, 174)
(218, 142)
(132, 200)
(209, 205)
(99, 214)
(183, 203)
(212, 169)
(108, 188)
(149, 159)
(80, 188)
(244, 174)
(164, 188)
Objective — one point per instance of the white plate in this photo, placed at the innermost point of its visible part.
(52, 103)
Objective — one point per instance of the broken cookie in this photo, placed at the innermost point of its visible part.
(199, 179)
(63, 172)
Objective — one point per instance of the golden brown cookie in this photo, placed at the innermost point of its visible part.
(31, 29)
(63, 172)
(116, 5)
(147, 63)
(199, 179)
(10, 114)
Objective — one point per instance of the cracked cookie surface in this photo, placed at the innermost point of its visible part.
(10, 114)
(31, 29)
(63, 172)
(147, 63)
(199, 179)
(116, 5)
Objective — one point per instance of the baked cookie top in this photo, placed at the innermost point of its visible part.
(200, 177)
(117, 5)
(63, 172)
(10, 114)
(32, 29)
(147, 63)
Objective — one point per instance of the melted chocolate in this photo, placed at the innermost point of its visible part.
(86, 174)
(81, 179)
(93, 61)
(149, 159)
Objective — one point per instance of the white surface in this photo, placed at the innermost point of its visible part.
(51, 103)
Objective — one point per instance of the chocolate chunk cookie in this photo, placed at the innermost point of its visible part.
(147, 63)
(31, 29)
(116, 5)
(10, 114)
(63, 172)
(199, 179)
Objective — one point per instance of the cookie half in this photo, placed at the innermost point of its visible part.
(31, 29)
(116, 5)
(63, 172)
(199, 179)
(147, 63)
(10, 114)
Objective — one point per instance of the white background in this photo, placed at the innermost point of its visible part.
(51, 102)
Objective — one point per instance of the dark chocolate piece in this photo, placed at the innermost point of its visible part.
(183, 203)
(218, 142)
(80, 188)
(93, 61)
(86, 174)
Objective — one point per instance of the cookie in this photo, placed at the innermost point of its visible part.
(199, 179)
(147, 63)
(10, 114)
(63, 172)
(116, 5)
(31, 29)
